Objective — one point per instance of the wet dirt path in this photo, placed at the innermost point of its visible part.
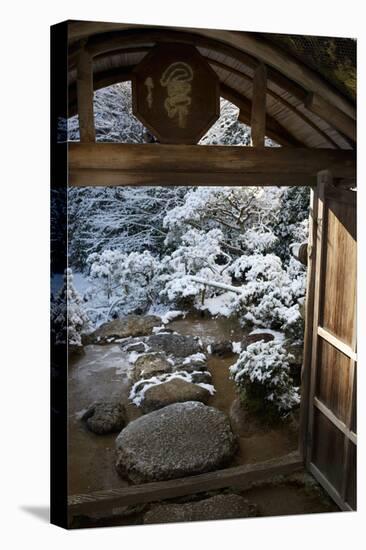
(101, 373)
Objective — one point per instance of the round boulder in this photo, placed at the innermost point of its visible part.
(178, 440)
(131, 325)
(104, 417)
(176, 390)
(175, 344)
(148, 365)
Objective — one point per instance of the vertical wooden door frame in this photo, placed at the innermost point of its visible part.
(314, 332)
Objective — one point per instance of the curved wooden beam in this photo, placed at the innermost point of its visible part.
(250, 49)
(286, 64)
(274, 130)
(244, 76)
(112, 41)
(277, 98)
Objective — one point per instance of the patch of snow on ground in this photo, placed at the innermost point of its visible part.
(236, 347)
(220, 305)
(155, 330)
(133, 356)
(197, 357)
(170, 315)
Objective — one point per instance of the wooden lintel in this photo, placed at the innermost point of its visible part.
(239, 476)
(258, 115)
(157, 164)
(114, 178)
(85, 96)
(334, 116)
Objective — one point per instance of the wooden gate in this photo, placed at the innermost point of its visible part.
(330, 434)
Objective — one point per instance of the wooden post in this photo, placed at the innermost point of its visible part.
(258, 116)
(309, 315)
(85, 93)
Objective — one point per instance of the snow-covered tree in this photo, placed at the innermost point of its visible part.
(69, 317)
(122, 283)
(292, 220)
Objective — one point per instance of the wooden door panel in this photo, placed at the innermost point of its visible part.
(334, 380)
(330, 448)
(339, 299)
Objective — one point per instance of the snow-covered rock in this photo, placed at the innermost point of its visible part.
(175, 344)
(174, 391)
(148, 365)
(131, 325)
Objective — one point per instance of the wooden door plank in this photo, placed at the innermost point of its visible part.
(337, 343)
(329, 488)
(323, 178)
(309, 319)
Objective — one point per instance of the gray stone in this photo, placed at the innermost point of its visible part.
(222, 349)
(175, 344)
(202, 377)
(131, 325)
(148, 365)
(224, 506)
(176, 441)
(191, 367)
(104, 417)
(174, 391)
(138, 347)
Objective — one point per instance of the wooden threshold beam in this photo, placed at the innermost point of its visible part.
(239, 476)
(157, 164)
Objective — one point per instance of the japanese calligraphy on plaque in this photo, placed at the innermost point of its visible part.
(175, 93)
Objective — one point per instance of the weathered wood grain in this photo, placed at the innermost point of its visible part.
(191, 164)
(85, 93)
(239, 476)
(330, 434)
(335, 117)
(258, 115)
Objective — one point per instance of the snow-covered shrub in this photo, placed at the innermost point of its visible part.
(69, 317)
(271, 293)
(262, 375)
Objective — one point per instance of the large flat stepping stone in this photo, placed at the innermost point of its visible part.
(226, 506)
(149, 365)
(131, 325)
(178, 440)
(175, 344)
(104, 417)
(176, 390)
